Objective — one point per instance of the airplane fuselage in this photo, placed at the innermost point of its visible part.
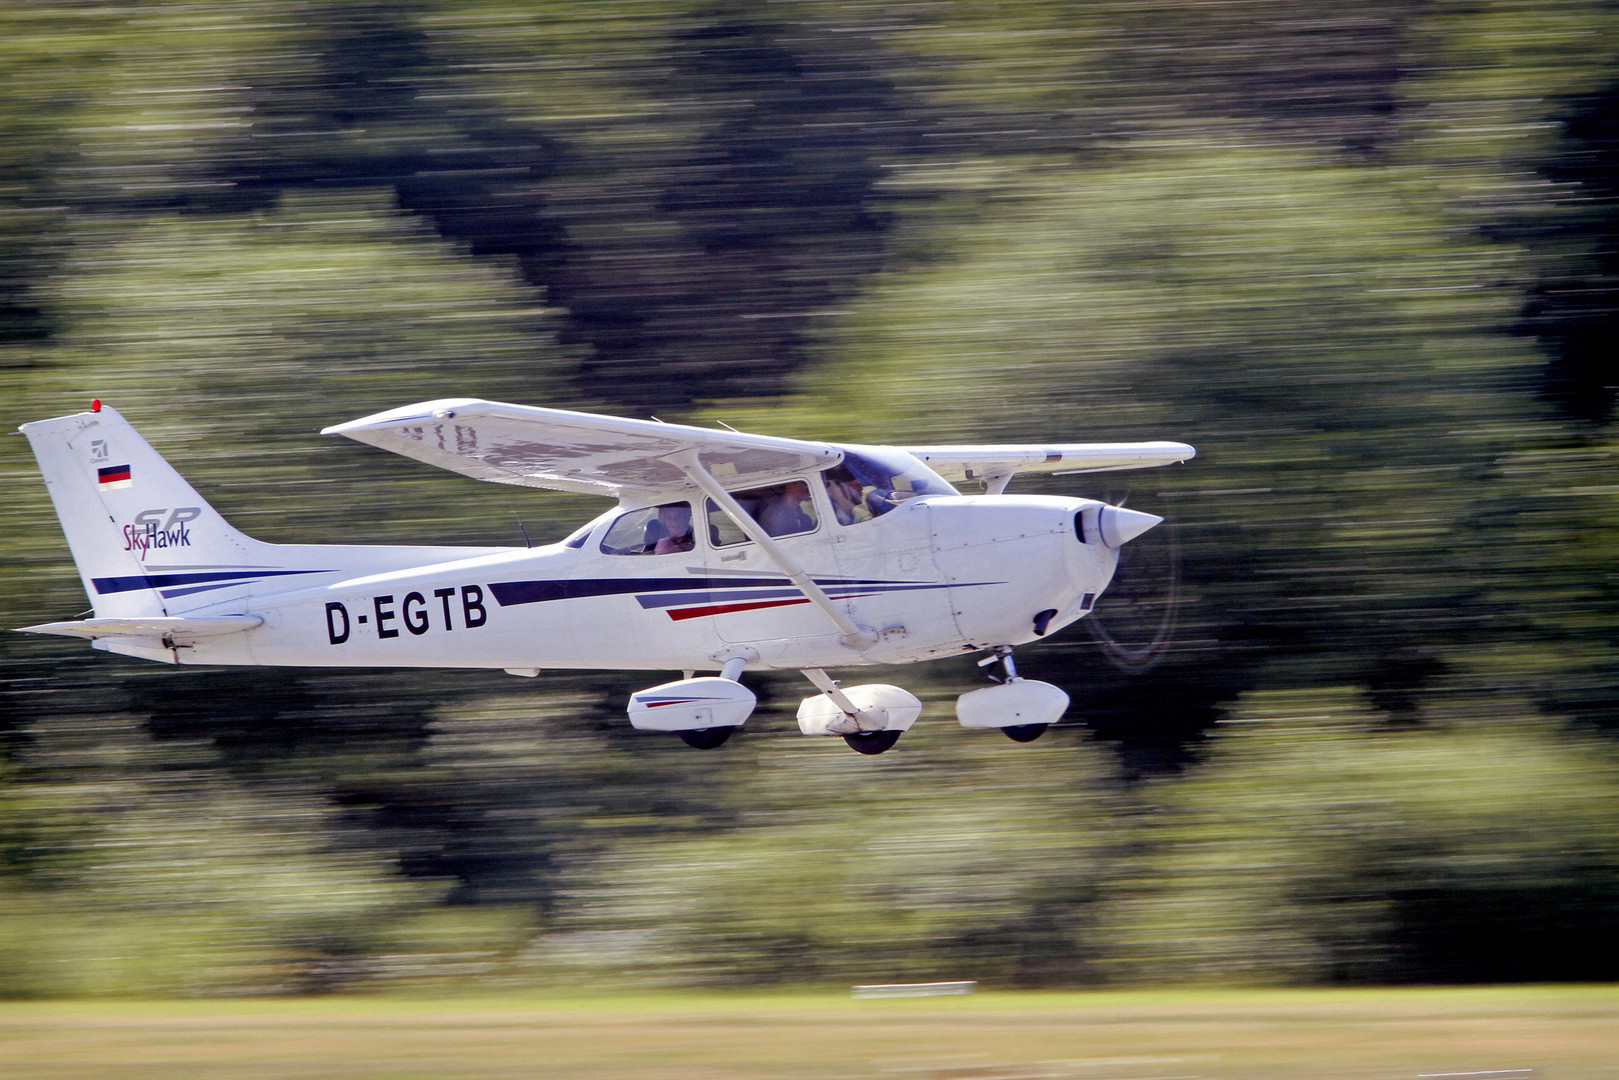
(937, 576)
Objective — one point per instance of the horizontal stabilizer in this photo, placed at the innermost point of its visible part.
(168, 629)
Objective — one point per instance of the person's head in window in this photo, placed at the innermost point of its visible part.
(651, 530)
(789, 512)
(676, 521)
(848, 497)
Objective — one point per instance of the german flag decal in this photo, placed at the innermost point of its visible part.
(114, 476)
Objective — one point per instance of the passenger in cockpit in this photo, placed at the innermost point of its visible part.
(847, 497)
(785, 514)
(877, 484)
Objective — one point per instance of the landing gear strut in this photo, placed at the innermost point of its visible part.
(1001, 654)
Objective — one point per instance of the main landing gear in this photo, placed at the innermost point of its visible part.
(703, 712)
(1021, 708)
(870, 718)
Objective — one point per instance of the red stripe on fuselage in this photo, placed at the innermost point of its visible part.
(681, 614)
(724, 609)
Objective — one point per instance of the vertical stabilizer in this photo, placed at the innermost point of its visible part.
(146, 544)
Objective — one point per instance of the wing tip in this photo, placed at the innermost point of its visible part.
(422, 411)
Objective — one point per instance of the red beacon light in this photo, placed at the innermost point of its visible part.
(95, 405)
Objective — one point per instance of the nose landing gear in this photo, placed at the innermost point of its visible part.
(1021, 708)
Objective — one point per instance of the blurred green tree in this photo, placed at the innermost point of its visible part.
(136, 868)
(1317, 844)
(928, 867)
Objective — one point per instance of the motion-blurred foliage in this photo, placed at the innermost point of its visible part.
(1362, 260)
(1318, 842)
(835, 870)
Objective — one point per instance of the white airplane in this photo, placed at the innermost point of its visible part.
(725, 551)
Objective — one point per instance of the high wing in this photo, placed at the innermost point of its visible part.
(572, 451)
(994, 465)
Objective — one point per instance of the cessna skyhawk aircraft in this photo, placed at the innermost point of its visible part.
(725, 551)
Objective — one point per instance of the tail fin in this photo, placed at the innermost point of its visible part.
(146, 544)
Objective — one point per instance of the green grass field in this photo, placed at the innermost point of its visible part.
(1560, 1033)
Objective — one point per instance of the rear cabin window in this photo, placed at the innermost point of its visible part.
(780, 509)
(652, 530)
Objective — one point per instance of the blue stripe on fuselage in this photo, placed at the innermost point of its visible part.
(671, 592)
(213, 578)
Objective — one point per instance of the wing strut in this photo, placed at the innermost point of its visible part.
(855, 637)
(823, 682)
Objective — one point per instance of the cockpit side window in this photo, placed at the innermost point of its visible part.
(867, 485)
(780, 509)
(652, 530)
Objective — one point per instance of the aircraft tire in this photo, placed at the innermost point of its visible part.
(705, 738)
(873, 742)
(1024, 732)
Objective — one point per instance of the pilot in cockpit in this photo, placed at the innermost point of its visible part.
(861, 490)
(674, 521)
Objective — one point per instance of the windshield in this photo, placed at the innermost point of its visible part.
(871, 481)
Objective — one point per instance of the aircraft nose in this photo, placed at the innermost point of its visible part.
(1119, 526)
